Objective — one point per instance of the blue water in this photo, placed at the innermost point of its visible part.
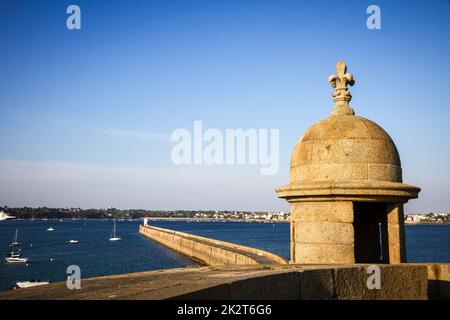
(429, 243)
(97, 256)
(94, 254)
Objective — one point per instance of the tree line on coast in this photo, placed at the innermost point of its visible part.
(78, 213)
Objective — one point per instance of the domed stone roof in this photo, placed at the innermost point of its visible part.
(346, 157)
(345, 148)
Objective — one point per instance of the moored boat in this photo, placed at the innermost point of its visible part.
(31, 283)
(16, 257)
(5, 216)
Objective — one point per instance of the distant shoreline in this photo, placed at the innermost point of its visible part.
(157, 219)
(195, 220)
(217, 220)
(425, 223)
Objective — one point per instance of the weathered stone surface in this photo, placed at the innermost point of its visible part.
(402, 282)
(346, 150)
(322, 223)
(317, 284)
(321, 232)
(396, 234)
(331, 172)
(342, 127)
(243, 283)
(351, 283)
(438, 280)
(277, 286)
(384, 172)
(326, 211)
(323, 253)
(302, 153)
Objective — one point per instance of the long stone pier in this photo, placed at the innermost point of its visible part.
(209, 251)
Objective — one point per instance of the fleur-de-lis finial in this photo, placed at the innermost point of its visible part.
(341, 96)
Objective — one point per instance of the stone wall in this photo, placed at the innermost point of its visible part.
(211, 252)
(345, 282)
(438, 280)
(252, 282)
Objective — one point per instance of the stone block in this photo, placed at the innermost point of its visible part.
(327, 211)
(350, 283)
(275, 286)
(324, 253)
(438, 281)
(331, 171)
(384, 172)
(302, 154)
(338, 151)
(375, 152)
(324, 233)
(375, 131)
(400, 282)
(338, 128)
(316, 284)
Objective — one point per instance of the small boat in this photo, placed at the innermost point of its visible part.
(16, 257)
(113, 236)
(5, 216)
(15, 242)
(31, 283)
(73, 241)
(50, 229)
(16, 260)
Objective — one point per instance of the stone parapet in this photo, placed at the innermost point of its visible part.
(287, 282)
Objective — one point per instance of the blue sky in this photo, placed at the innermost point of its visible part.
(86, 115)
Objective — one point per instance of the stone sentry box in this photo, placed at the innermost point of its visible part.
(346, 191)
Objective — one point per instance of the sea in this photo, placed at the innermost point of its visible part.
(50, 253)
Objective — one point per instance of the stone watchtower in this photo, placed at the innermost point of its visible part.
(346, 191)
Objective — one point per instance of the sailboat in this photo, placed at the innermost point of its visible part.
(15, 242)
(113, 233)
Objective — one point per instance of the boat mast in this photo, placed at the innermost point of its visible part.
(113, 233)
(14, 242)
